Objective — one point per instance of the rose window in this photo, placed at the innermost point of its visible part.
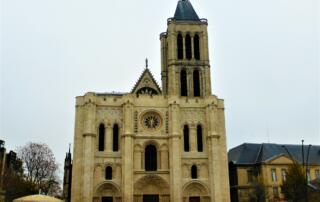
(151, 121)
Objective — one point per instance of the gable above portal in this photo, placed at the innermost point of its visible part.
(146, 85)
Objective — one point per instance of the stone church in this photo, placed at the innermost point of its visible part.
(156, 144)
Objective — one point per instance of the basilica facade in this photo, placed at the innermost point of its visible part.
(156, 144)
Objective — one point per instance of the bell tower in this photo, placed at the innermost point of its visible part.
(185, 68)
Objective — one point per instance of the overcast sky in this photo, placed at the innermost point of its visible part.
(264, 59)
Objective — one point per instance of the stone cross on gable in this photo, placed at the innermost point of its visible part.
(146, 62)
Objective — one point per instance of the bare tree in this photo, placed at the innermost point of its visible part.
(259, 191)
(16, 186)
(295, 185)
(39, 165)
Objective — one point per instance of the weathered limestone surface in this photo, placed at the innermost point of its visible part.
(174, 163)
(151, 123)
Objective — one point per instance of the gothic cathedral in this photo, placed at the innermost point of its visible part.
(156, 144)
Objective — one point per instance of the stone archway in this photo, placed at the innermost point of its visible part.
(107, 191)
(195, 191)
(151, 185)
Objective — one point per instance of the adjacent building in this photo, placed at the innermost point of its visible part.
(9, 163)
(268, 163)
(2, 167)
(156, 143)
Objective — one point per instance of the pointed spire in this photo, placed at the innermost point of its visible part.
(146, 62)
(185, 12)
(68, 155)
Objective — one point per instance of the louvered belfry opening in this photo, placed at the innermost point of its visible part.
(180, 47)
(188, 47)
(196, 46)
(183, 83)
(196, 83)
(150, 158)
(101, 137)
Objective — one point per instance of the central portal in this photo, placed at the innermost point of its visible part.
(107, 199)
(150, 198)
(194, 199)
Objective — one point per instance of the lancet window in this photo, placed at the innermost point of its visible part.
(186, 138)
(108, 174)
(115, 145)
(199, 138)
(194, 172)
(101, 137)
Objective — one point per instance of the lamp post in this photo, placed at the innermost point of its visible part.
(307, 163)
(305, 167)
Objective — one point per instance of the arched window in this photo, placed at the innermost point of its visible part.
(183, 83)
(186, 138)
(101, 137)
(194, 172)
(180, 46)
(115, 145)
(199, 138)
(196, 83)
(188, 47)
(108, 173)
(150, 158)
(196, 47)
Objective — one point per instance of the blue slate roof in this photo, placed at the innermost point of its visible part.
(185, 12)
(249, 153)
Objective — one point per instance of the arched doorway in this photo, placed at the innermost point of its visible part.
(151, 188)
(195, 191)
(107, 192)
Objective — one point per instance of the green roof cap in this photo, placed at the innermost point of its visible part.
(185, 12)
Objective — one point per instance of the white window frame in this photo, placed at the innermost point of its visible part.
(273, 174)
